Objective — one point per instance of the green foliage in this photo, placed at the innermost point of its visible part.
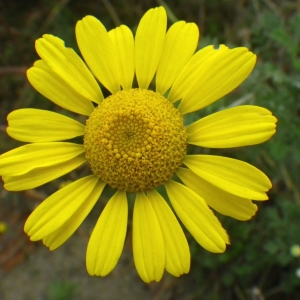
(259, 254)
(61, 291)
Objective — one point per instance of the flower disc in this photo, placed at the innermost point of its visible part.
(135, 140)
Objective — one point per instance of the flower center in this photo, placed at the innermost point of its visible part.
(135, 140)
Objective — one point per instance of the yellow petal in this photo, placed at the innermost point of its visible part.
(176, 246)
(149, 41)
(98, 51)
(123, 42)
(28, 157)
(221, 201)
(180, 44)
(54, 88)
(231, 175)
(195, 215)
(234, 127)
(36, 125)
(107, 240)
(39, 176)
(60, 235)
(219, 75)
(148, 244)
(187, 75)
(211, 78)
(57, 209)
(66, 64)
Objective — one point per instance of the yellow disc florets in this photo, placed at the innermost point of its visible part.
(135, 140)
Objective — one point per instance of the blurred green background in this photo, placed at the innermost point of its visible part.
(263, 260)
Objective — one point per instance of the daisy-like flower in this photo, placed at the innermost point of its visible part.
(135, 141)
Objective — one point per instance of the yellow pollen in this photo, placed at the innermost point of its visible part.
(135, 140)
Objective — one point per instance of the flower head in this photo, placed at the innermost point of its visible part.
(135, 141)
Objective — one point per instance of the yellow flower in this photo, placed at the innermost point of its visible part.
(135, 141)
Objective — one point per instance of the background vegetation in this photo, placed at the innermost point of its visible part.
(263, 261)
